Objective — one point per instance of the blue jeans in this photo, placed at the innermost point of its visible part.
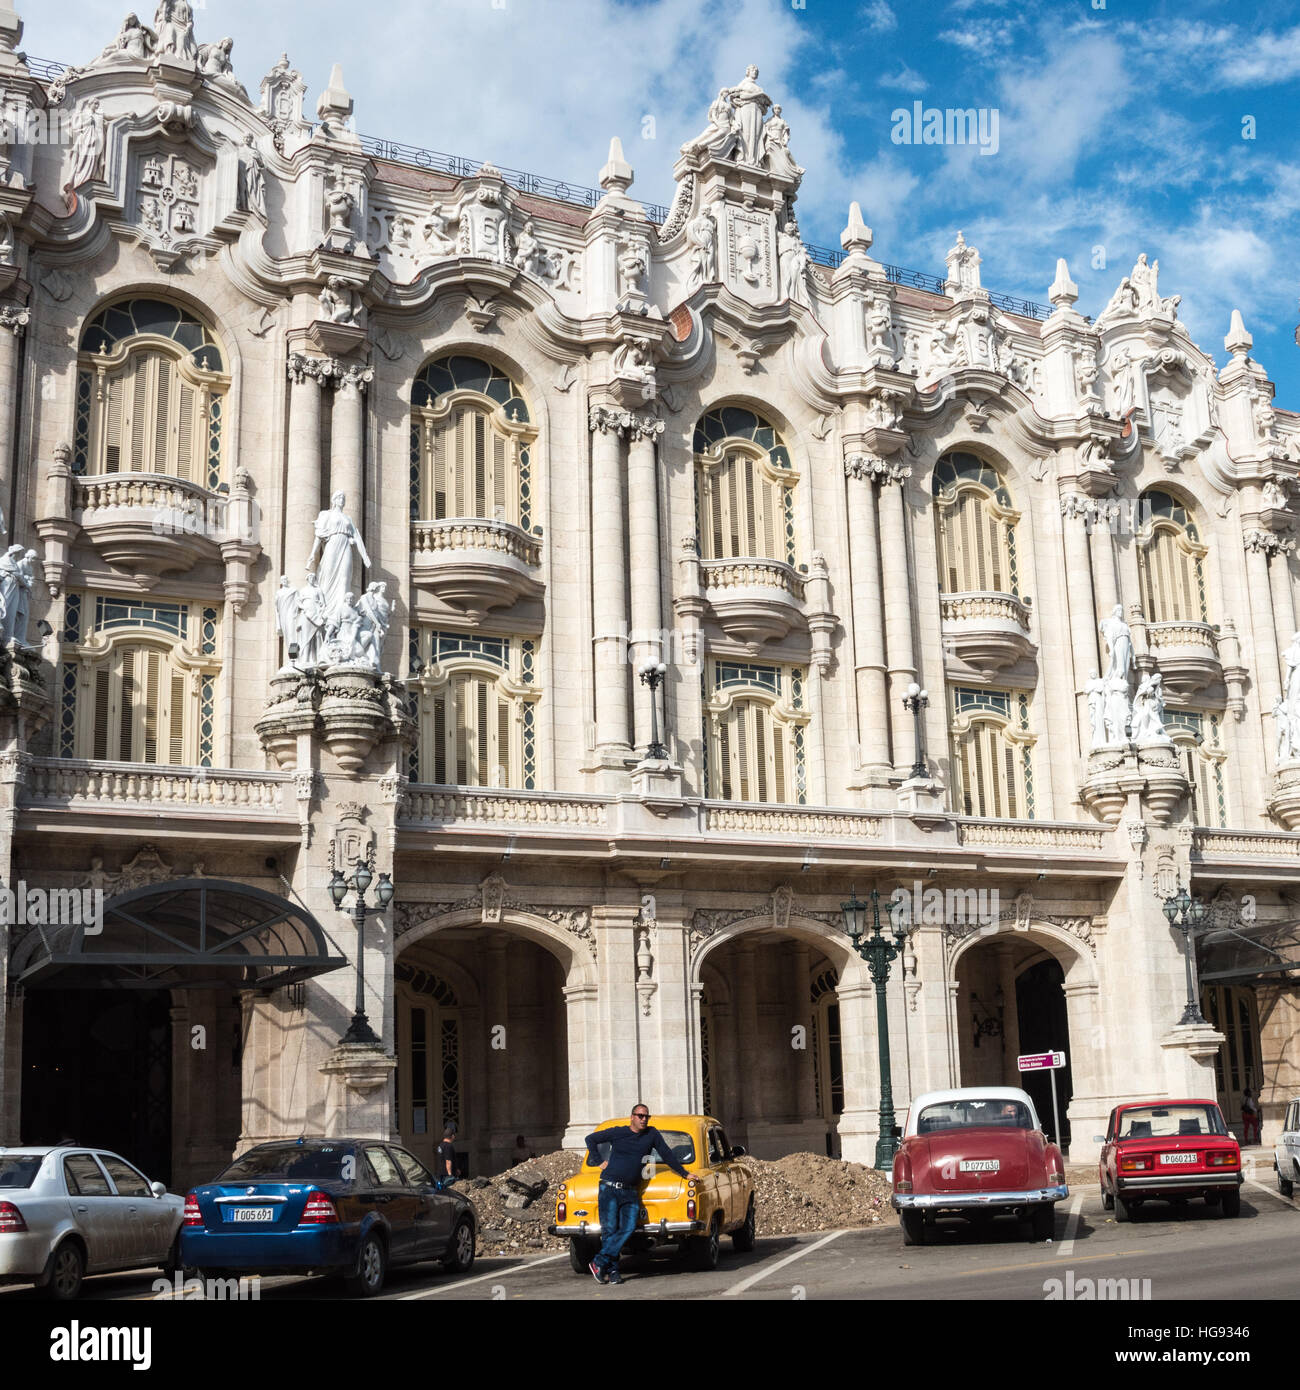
(619, 1208)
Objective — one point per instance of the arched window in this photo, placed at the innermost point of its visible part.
(1198, 737)
(471, 441)
(475, 710)
(755, 719)
(151, 385)
(744, 502)
(975, 527)
(138, 681)
(1171, 561)
(992, 758)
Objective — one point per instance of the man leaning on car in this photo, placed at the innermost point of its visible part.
(621, 1176)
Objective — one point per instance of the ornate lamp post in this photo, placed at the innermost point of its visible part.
(914, 702)
(1186, 913)
(652, 674)
(360, 1031)
(879, 952)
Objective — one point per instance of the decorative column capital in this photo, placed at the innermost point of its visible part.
(318, 369)
(1267, 543)
(15, 318)
(356, 374)
(874, 469)
(645, 427)
(605, 418)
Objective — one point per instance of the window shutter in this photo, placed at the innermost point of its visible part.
(751, 528)
(724, 761)
(499, 478)
(461, 694)
(506, 776)
(742, 749)
(116, 388)
(1009, 755)
(176, 725)
(99, 740)
(760, 750)
(162, 422)
(480, 467)
(778, 756)
(139, 413)
(149, 661)
(440, 740)
(715, 514)
(126, 707)
(771, 495)
(483, 769)
(186, 431)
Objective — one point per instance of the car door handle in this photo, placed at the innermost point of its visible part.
(83, 1210)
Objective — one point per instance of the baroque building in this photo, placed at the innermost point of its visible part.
(568, 561)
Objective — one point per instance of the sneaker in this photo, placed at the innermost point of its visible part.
(597, 1273)
(614, 1277)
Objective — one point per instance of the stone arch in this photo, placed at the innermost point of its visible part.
(570, 950)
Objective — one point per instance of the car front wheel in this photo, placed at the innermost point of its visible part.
(64, 1272)
(913, 1227)
(1231, 1204)
(743, 1239)
(460, 1256)
(372, 1263)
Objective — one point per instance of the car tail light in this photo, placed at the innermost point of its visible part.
(11, 1219)
(903, 1185)
(1222, 1159)
(193, 1216)
(690, 1209)
(1135, 1163)
(319, 1211)
(561, 1212)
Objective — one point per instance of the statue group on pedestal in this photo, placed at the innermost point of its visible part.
(1286, 709)
(740, 129)
(16, 577)
(326, 619)
(1113, 717)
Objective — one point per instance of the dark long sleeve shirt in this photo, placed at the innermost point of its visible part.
(628, 1152)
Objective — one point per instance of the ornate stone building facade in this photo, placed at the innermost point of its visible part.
(348, 498)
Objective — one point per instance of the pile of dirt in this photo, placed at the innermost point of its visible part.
(521, 1227)
(809, 1192)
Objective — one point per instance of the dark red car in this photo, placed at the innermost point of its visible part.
(1168, 1151)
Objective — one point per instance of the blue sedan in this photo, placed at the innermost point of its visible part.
(352, 1207)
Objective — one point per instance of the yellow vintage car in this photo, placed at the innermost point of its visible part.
(693, 1214)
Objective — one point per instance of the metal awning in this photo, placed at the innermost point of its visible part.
(1236, 951)
(189, 933)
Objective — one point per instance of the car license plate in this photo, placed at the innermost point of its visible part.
(252, 1213)
(979, 1165)
(1178, 1158)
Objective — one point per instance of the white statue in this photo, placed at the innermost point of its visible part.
(1292, 658)
(963, 264)
(377, 614)
(1282, 722)
(942, 351)
(776, 147)
(16, 578)
(286, 612)
(134, 43)
(1149, 711)
(312, 618)
(1274, 495)
(529, 253)
(792, 258)
(336, 538)
(89, 138)
(339, 302)
(343, 643)
(436, 230)
(751, 103)
(174, 21)
(1119, 639)
(214, 63)
(702, 238)
(1096, 692)
(1118, 710)
(720, 138)
(252, 178)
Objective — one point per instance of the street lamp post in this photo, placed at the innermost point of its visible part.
(652, 674)
(879, 952)
(914, 702)
(359, 1030)
(1185, 913)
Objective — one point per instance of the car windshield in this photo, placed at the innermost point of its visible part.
(681, 1144)
(1170, 1122)
(19, 1170)
(287, 1162)
(966, 1114)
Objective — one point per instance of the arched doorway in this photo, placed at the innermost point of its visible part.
(482, 1040)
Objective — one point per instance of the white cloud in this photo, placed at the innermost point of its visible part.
(878, 17)
(905, 79)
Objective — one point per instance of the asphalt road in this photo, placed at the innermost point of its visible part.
(1188, 1252)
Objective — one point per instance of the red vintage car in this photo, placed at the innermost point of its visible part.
(976, 1152)
(1169, 1150)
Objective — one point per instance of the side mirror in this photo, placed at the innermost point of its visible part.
(157, 1189)
(1098, 1138)
(739, 1152)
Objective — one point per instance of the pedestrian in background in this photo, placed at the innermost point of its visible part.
(445, 1169)
(1249, 1117)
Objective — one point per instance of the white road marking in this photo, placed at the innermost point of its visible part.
(1272, 1192)
(529, 1262)
(781, 1264)
(1072, 1225)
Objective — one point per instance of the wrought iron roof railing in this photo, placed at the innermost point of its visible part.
(459, 166)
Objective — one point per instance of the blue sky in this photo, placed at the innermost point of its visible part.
(1120, 129)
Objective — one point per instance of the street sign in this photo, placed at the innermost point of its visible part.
(1041, 1061)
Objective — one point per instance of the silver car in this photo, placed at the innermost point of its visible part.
(70, 1211)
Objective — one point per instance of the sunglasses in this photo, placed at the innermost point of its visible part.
(640, 1115)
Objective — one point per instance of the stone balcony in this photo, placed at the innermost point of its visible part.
(474, 564)
(753, 600)
(145, 523)
(986, 630)
(1187, 654)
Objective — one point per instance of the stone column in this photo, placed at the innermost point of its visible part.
(898, 610)
(1010, 1017)
(500, 1060)
(751, 1091)
(302, 499)
(1279, 578)
(868, 625)
(643, 565)
(1103, 561)
(805, 1097)
(12, 322)
(1267, 672)
(1082, 610)
(348, 439)
(609, 579)
(860, 1122)
(581, 1031)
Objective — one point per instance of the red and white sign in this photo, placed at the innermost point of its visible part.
(1041, 1061)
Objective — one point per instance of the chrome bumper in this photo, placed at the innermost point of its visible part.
(905, 1201)
(657, 1228)
(1166, 1181)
